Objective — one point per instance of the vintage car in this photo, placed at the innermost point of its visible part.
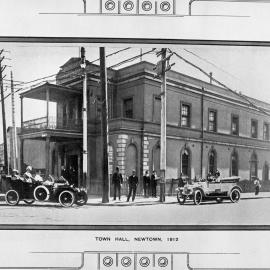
(210, 189)
(52, 190)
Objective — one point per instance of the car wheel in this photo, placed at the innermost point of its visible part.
(181, 198)
(66, 198)
(29, 201)
(235, 195)
(219, 200)
(81, 198)
(197, 197)
(12, 197)
(41, 193)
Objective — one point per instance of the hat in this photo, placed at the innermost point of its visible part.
(29, 168)
(133, 170)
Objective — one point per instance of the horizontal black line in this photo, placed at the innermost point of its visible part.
(137, 227)
(138, 41)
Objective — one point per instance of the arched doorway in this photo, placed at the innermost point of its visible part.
(156, 159)
(212, 161)
(253, 166)
(186, 162)
(266, 172)
(131, 160)
(234, 164)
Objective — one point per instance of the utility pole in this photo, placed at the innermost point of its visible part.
(14, 139)
(3, 114)
(84, 114)
(162, 67)
(104, 125)
(84, 6)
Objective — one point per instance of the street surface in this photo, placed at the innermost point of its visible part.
(250, 210)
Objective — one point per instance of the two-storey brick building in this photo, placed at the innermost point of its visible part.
(208, 127)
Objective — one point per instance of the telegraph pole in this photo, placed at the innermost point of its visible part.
(162, 67)
(104, 124)
(3, 114)
(84, 114)
(163, 128)
(84, 6)
(14, 139)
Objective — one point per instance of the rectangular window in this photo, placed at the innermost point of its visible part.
(212, 121)
(266, 131)
(157, 110)
(235, 124)
(254, 129)
(128, 108)
(185, 115)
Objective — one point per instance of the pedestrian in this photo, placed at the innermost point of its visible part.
(65, 173)
(153, 184)
(133, 183)
(257, 185)
(146, 183)
(181, 182)
(117, 181)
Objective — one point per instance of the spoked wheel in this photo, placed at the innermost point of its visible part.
(12, 197)
(81, 198)
(197, 197)
(181, 198)
(235, 195)
(219, 200)
(66, 198)
(29, 201)
(41, 193)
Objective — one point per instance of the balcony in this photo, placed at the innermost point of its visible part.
(52, 123)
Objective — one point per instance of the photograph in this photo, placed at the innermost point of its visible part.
(126, 134)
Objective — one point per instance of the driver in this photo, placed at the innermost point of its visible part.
(15, 175)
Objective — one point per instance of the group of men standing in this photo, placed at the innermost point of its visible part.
(149, 184)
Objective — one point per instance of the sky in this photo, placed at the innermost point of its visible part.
(243, 69)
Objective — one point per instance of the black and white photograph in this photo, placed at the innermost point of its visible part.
(117, 135)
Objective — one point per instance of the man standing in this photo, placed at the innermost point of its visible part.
(146, 184)
(153, 184)
(133, 183)
(117, 181)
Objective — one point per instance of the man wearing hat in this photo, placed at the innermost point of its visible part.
(133, 183)
(117, 181)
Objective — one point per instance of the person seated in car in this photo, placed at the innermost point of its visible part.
(15, 175)
(28, 175)
(217, 177)
(38, 177)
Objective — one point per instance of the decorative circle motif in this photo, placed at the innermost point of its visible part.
(110, 5)
(108, 261)
(147, 5)
(144, 261)
(165, 6)
(126, 261)
(162, 262)
(128, 5)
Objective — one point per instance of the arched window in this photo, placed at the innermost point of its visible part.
(234, 164)
(185, 162)
(253, 166)
(266, 172)
(212, 161)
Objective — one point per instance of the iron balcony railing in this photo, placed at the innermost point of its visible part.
(53, 122)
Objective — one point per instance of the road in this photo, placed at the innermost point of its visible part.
(250, 210)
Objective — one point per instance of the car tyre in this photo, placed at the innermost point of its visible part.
(81, 198)
(235, 195)
(197, 197)
(41, 193)
(181, 198)
(66, 198)
(12, 197)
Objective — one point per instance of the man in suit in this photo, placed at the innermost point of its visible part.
(133, 183)
(117, 181)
